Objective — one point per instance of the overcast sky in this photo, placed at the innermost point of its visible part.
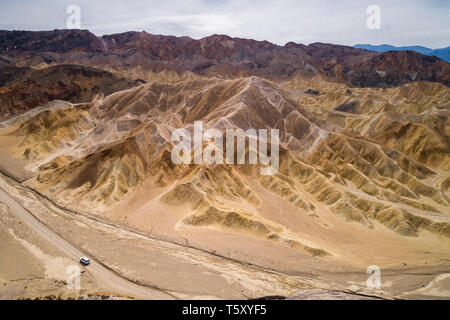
(403, 22)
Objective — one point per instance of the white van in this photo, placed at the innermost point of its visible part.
(85, 261)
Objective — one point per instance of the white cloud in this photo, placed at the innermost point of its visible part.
(201, 24)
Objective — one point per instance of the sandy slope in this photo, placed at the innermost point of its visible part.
(100, 273)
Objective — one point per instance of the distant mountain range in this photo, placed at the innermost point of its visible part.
(443, 53)
(218, 56)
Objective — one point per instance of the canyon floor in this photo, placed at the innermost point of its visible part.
(129, 265)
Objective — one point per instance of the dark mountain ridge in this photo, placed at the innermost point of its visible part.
(224, 56)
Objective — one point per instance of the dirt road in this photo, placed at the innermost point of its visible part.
(103, 276)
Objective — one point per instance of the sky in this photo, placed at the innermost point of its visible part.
(402, 22)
